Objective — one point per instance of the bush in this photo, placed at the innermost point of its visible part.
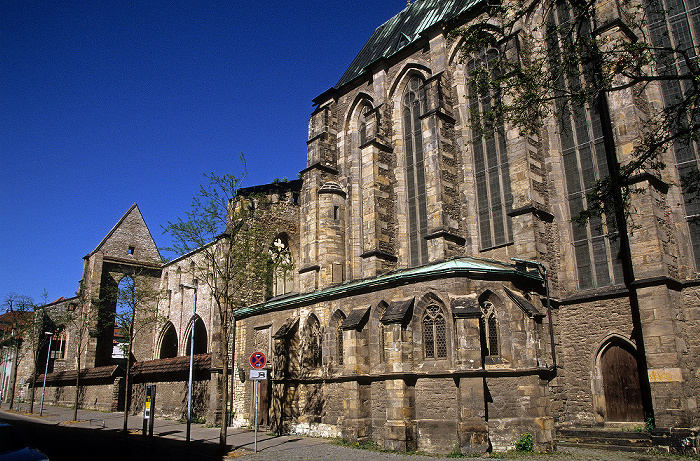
(524, 443)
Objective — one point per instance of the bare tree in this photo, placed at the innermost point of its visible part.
(231, 242)
(136, 299)
(17, 324)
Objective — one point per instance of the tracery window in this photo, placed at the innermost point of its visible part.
(282, 277)
(673, 24)
(491, 171)
(490, 326)
(585, 161)
(415, 172)
(434, 333)
(340, 351)
(312, 348)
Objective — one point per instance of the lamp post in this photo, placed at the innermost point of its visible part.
(189, 384)
(46, 370)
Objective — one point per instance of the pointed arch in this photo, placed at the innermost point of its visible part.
(409, 70)
(616, 384)
(311, 344)
(433, 324)
(168, 342)
(489, 324)
(200, 336)
(362, 99)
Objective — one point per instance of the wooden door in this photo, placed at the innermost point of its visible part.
(623, 396)
(264, 401)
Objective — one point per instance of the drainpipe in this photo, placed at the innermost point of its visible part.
(543, 271)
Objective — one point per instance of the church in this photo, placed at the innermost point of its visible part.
(441, 295)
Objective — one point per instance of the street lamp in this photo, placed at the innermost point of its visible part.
(46, 370)
(189, 384)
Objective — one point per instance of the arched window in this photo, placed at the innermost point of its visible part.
(491, 172)
(282, 277)
(312, 350)
(434, 333)
(412, 104)
(200, 337)
(489, 328)
(168, 343)
(337, 339)
(364, 135)
(584, 159)
(58, 344)
(674, 24)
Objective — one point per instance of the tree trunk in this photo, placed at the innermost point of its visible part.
(13, 378)
(77, 391)
(128, 371)
(224, 397)
(127, 383)
(31, 404)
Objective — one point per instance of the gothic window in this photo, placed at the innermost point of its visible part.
(415, 172)
(335, 337)
(491, 172)
(200, 337)
(340, 351)
(490, 328)
(674, 24)
(364, 135)
(382, 348)
(168, 345)
(58, 344)
(585, 161)
(434, 333)
(312, 349)
(282, 277)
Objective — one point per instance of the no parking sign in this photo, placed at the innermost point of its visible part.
(258, 360)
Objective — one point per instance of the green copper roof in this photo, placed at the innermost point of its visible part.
(404, 29)
(466, 266)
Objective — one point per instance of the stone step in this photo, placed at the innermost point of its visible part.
(604, 439)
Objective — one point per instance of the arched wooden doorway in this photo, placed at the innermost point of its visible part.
(623, 395)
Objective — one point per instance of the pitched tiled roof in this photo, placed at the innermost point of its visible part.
(172, 365)
(404, 29)
(88, 374)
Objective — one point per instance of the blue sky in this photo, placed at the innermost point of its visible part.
(103, 104)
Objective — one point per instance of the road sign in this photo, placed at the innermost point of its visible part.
(258, 360)
(258, 375)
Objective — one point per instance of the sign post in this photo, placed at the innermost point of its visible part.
(257, 374)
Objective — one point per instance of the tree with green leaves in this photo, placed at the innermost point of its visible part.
(229, 241)
(549, 58)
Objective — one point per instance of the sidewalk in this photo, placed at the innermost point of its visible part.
(241, 441)
(270, 447)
